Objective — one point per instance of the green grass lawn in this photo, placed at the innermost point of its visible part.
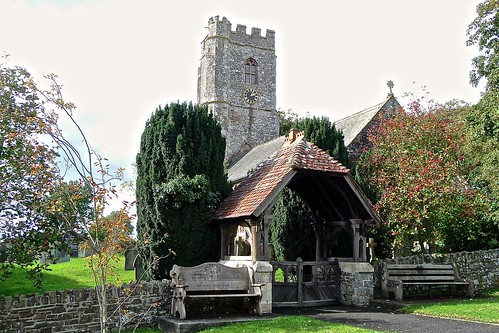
(74, 274)
(291, 324)
(483, 309)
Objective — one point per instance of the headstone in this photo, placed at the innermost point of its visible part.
(138, 264)
(84, 250)
(56, 254)
(130, 256)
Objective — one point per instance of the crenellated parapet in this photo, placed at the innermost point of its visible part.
(223, 28)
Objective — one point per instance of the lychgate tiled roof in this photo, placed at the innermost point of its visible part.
(254, 193)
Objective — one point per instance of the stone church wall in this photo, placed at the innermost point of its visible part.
(78, 310)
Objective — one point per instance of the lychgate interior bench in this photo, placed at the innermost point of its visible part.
(211, 281)
(394, 277)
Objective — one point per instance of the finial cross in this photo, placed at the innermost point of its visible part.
(390, 85)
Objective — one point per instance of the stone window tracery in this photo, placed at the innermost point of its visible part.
(250, 72)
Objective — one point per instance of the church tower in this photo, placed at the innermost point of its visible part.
(237, 80)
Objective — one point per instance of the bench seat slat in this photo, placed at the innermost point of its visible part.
(422, 278)
(221, 295)
(437, 282)
(419, 266)
(421, 272)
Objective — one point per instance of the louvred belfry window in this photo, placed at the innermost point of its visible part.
(250, 72)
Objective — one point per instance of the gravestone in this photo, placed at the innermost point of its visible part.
(84, 250)
(130, 256)
(58, 255)
(138, 265)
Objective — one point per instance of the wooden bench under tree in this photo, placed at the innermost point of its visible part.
(394, 277)
(212, 281)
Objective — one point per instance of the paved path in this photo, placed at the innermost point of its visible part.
(392, 321)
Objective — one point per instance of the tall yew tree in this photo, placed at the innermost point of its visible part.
(180, 181)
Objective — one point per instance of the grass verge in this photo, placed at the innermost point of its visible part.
(483, 309)
(291, 324)
(74, 274)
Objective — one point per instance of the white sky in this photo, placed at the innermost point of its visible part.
(118, 60)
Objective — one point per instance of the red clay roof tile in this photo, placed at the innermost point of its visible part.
(296, 154)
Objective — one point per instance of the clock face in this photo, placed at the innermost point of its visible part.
(250, 95)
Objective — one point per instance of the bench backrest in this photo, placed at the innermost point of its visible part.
(211, 277)
(423, 272)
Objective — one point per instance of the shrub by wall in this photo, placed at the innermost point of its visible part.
(78, 310)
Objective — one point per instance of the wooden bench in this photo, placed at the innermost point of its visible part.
(212, 280)
(395, 276)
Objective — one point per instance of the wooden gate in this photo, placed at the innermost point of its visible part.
(305, 283)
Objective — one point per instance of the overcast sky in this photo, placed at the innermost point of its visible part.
(118, 60)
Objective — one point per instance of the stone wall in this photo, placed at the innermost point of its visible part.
(356, 283)
(78, 310)
(481, 267)
(221, 83)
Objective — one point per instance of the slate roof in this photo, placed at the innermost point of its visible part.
(256, 191)
(353, 125)
(253, 158)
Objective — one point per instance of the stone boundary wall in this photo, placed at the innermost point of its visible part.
(481, 267)
(78, 310)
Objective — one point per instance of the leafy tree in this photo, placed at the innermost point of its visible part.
(482, 120)
(180, 181)
(72, 206)
(102, 233)
(292, 232)
(484, 32)
(28, 173)
(418, 168)
(287, 120)
(38, 209)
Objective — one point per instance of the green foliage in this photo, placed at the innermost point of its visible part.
(72, 204)
(292, 232)
(287, 120)
(180, 180)
(418, 168)
(323, 133)
(484, 32)
(28, 174)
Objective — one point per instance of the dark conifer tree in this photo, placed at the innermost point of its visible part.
(180, 182)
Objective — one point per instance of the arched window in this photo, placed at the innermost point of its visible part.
(250, 72)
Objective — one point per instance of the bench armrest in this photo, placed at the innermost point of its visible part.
(181, 286)
(257, 284)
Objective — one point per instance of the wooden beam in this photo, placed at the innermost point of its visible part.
(275, 192)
